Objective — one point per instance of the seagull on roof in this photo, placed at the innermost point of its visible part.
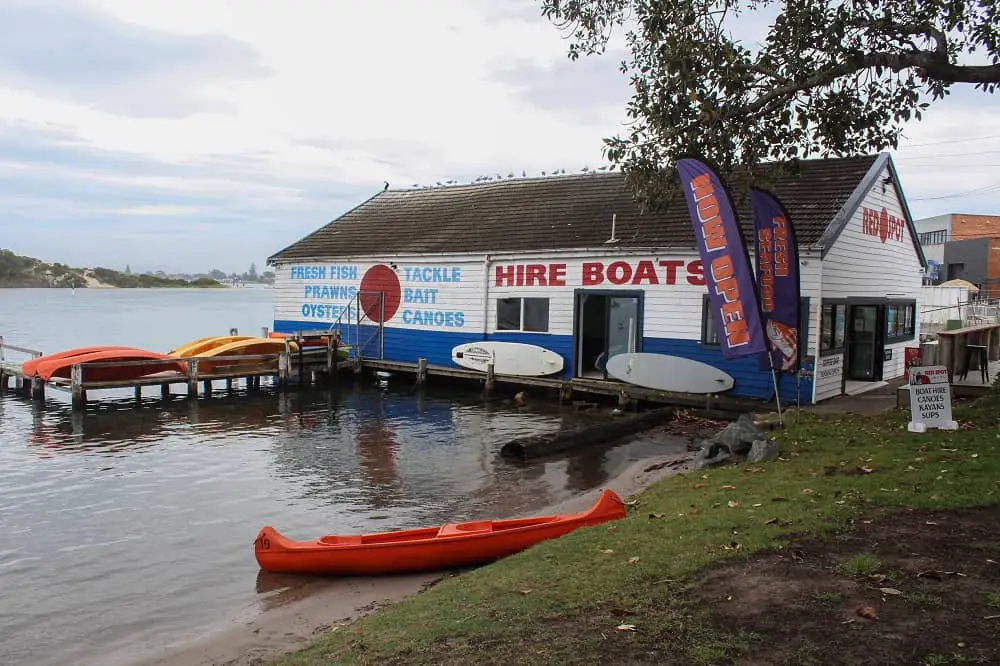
(386, 186)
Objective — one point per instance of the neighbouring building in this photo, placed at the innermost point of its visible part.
(572, 264)
(962, 246)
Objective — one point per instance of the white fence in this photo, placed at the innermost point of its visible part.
(939, 304)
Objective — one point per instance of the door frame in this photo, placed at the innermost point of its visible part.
(622, 293)
(878, 371)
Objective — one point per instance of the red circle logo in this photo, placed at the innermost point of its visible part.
(883, 225)
(380, 278)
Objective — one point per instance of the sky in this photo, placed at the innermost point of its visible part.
(189, 135)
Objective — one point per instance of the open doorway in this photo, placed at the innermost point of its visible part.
(607, 323)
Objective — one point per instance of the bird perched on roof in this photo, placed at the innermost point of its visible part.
(386, 186)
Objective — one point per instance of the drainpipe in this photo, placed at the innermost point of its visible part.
(486, 296)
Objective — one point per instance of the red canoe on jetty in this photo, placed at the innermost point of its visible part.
(444, 547)
(49, 367)
(29, 367)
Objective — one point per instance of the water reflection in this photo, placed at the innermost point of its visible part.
(133, 526)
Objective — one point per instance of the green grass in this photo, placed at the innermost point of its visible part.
(862, 564)
(993, 599)
(563, 601)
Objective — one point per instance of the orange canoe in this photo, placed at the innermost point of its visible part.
(29, 367)
(63, 367)
(430, 548)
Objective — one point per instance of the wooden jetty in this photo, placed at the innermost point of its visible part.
(309, 365)
(281, 369)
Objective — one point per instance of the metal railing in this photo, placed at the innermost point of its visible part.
(357, 330)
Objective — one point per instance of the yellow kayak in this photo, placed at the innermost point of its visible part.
(201, 345)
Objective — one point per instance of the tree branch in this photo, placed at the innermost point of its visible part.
(930, 65)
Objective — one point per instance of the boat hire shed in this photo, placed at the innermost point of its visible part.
(571, 264)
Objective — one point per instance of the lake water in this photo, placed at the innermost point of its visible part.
(127, 529)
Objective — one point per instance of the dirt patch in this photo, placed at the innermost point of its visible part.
(900, 587)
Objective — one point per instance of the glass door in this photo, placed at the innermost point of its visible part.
(863, 348)
(623, 324)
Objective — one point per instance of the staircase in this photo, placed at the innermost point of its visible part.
(358, 330)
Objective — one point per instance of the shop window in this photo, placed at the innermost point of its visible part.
(523, 314)
(833, 327)
(899, 321)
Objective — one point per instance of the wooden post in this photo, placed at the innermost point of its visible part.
(421, 370)
(229, 384)
(38, 389)
(192, 378)
(25, 385)
(283, 364)
(138, 395)
(206, 387)
(330, 351)
(76, 387)
(165, 392)
(489, 377)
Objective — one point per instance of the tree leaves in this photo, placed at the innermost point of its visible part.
(829, 78)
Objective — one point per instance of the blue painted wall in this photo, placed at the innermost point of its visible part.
(405, 345)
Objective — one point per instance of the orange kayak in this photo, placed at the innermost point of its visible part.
(62, 367)
(424, 549)
(30, 367)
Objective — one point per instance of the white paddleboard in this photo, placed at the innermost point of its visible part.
(668, 373)
(508, 358)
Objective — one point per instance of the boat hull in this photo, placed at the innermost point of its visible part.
(157, 363)
(29, 368)
(249, 347)
(427, 549)
(201, 345)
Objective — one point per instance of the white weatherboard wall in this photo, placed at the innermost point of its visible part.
(435, 293)
(451, 299)
(673, 286)
(864, 262)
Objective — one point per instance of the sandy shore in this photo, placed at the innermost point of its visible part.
(301, 609)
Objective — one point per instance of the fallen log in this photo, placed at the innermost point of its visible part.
(537, 446)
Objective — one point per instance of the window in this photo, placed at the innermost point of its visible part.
(933, 237)
(899, 321)
(710, 334)
(523, 314)
(833, 326)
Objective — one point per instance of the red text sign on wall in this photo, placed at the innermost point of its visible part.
(593, 273)
(881, 224)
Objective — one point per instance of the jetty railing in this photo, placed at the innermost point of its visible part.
(302, 363)
(11, 368)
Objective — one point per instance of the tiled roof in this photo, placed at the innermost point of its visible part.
(558, 212)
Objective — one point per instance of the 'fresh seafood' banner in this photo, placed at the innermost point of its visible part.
(778, 280)
(731, 290)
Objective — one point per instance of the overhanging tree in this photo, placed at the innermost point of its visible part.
(830, 78)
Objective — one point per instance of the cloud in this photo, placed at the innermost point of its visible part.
(187, 134)
(588, 89)
(90, 57)
(61, 200)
